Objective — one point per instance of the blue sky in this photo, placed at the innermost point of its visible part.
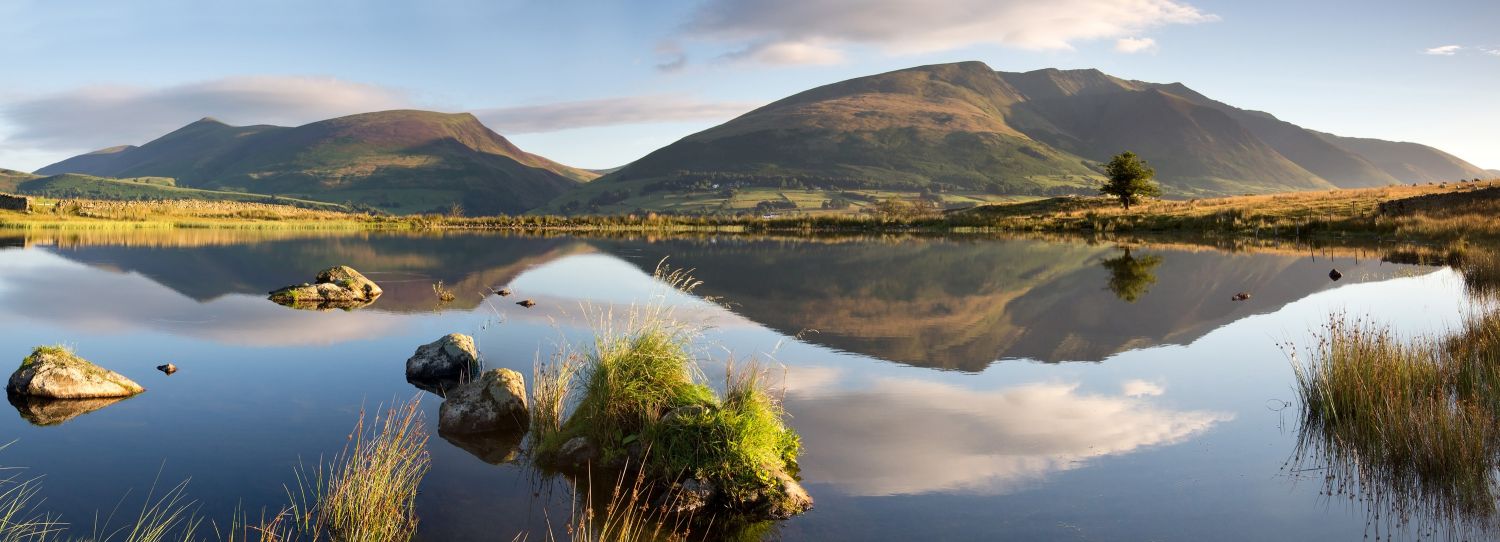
(597, 84)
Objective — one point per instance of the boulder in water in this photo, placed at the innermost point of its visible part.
(495, 401)
(52, 372)
(443, 364)
(335, 288)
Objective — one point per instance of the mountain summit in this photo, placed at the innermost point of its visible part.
(404, 161)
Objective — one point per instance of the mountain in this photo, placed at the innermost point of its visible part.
(1493, 173)
(1409, 162)
(966, 128)
(402, 161)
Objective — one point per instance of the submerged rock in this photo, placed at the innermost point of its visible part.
(1242, 296)
(441, 365)
(335, 288)
(55, 373)
(1335, 275)
(576, 453)
(526, 303)
(42, 411)
(495, 401)
(168, 368)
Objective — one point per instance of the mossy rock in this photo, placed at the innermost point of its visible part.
(55, 373)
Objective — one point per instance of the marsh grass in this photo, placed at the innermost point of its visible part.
(1409, 425)
(368, 492)
(443, 293)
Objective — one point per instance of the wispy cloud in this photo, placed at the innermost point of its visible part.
(551, 117)
(1135, 45)
(102, 116)
(1445, 50)
(817, 31)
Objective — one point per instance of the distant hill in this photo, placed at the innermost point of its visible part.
(401, 161)
(10, 179)
(966, 128)
(75, 185)
(1409, 162)
(1493, 173)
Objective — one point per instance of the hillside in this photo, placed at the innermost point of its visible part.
(966, 130)
(1409, 162)
(74, 185)
(400, 161)
(10, 179)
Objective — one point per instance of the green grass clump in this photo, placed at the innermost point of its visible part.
(1411, 424)
(368, 493)
(46, 350)
(742, 441)
(644, 404)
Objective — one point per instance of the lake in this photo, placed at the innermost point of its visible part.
(944, 388)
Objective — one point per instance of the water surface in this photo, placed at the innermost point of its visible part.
(954, 389)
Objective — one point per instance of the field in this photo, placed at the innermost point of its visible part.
(75, 186)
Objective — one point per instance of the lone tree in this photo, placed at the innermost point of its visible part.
(1129, 179)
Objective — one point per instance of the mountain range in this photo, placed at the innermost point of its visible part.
(942, 130)
(400, 161)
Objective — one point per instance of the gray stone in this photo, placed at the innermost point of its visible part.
(496, 401)
(577, 452)
(55, 373)
(441, 365)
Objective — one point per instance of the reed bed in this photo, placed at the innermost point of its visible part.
(1410, 425)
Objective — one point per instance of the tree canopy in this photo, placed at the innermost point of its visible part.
(1130, 179)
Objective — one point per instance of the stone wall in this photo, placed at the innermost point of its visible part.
(14, 203)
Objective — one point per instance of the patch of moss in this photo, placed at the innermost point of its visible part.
(47, 350)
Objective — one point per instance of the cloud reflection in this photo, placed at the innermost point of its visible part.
(903, 436)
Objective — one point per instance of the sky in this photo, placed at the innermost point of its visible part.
(599, 83)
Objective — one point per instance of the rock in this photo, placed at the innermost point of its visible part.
(496, 401)
(495, 448)
(577, 452)
(168, 368)
(43, 412)
(790, 498)
(503, 292)
(688, 411)
(55, 373)
(1335, 275)
(526, 303)
(336, 288)
(1242, 296)
(690, 496)
(440, 365)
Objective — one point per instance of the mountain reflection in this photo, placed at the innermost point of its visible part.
(906, 436)
(962, 304)
(940, 303)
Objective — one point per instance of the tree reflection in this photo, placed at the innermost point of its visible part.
(1131, 277)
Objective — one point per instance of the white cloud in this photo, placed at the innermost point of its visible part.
(981, 441)
(607, 112)
(1492, 52)
(1446, 50)
(102, 116)
(813, 30)
(1135, 45)
(1141, 388)
(788, 53)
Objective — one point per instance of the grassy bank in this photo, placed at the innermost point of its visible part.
(1440, 212)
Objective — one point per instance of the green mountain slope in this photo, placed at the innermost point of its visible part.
(402, 161)
(76, 185)
(1409, 162)
(1195, 148)
(967, 128)
(903, 130)
(10, 179)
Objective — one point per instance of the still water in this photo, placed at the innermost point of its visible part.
(946, 389)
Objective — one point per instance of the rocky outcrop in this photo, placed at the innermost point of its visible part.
(55, 373)
(335, 288)
(441, 365)
(495, 401)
